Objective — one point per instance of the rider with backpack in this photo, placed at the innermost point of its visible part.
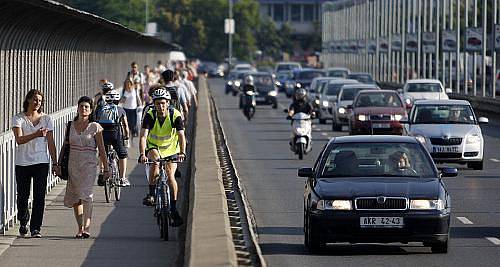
(114, 121)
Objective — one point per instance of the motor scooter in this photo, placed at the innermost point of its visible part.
(300, 141)
(248, 103)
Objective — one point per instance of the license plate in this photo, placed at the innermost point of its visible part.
(445, 149)
(260, 98)
(381, 125)
(381, 222)
(345, 128)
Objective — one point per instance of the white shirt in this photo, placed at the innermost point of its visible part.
(130, 99)
(190, 86)
(34, 151)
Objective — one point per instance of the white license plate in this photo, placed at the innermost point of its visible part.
(381, 222)
(345, 128)
(445, 149)
(381, 125)
(260, 98)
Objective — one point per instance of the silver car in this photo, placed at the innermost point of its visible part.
(449, 130)
(345, 98)
(328, 96)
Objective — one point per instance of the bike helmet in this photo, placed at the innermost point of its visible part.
(107, 86)
(249, 80)
(161, 93)
(112, 95)
(300, 94)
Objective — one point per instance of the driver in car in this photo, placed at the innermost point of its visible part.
(399, 164)
(456, 115)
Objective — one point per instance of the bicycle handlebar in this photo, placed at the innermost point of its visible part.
(173, 159)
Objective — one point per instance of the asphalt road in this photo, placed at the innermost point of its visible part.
(268, 171)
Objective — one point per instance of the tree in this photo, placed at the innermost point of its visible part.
(269, 39)
(247, 19)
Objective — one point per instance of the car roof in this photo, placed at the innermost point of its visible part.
(337, 68)
(378, 91)
(258, 73)
(361, 85)
(359, 73)
(373, 139)
(424, 81)
(344, 81)
(442, 102)
(288, 63)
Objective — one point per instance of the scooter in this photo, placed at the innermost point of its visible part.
(249, 104)
(300, 142)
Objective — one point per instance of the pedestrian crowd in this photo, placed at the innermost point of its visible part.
(152, 105)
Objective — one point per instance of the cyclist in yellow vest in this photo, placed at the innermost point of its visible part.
(162, 135)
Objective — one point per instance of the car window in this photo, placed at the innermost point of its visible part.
(377, 159)
(443, 114)
(378, 100)
(337, 73)
(423, 88)
(309, 75)
(333, 88)
(263, 80)
(349, 93)
(286, 67)
(361, 78)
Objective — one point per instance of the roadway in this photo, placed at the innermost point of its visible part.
(268, 172)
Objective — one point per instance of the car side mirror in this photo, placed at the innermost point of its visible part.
(449, 172)
(448, 90)
(305, 172)
(483, 120)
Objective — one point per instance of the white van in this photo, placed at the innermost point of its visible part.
(174, 56)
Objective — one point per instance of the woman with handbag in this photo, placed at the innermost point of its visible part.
(33, 131)
(84, 140)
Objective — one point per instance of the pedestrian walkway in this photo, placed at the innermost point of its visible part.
(122, 234)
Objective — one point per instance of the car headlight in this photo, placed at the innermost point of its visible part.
(325, 104)
(272, 93)
(316, 101)
(237, 84)
(408, 101)
(398, 117)
(473, 139)
(298, 85)
(420, 138)
(334, 205)
(230, 83)
(341, 110)
(426, 204)
(362, 117)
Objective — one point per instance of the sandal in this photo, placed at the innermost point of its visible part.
(85, 235)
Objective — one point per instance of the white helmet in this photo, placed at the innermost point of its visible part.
(107, 86)
(112, 95)
(249, 80)
(161, 93)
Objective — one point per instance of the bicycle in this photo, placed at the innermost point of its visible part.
(162, 196)
(113, 182)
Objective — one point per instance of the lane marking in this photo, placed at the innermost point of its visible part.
(495, 160)
(324, 134)
(494, 240)
(464, 220)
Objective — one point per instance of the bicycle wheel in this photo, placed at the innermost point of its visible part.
(165, 220)
(117, 190)
(107, 190)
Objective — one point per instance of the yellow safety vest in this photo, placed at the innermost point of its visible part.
(164, 137)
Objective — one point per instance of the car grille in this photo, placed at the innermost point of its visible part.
(446, 155)
(446, 141)
(380, 117)
(389, 203)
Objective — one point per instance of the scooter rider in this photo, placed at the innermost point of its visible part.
(300, 104)
(249, 84)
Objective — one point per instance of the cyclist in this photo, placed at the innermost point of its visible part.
(99, 97)
(114, 121)
(162, 135)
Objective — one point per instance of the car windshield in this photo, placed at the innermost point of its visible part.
(362, 78)
(286, 67)
(333, 88)
(263, 80)
(423, 88)
(349, 93)
(443, 114)
(378, 100)
(377, 160)
(337, 73)
(284, 75)
(309, 75)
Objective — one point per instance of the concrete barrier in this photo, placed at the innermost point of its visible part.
(208, 238)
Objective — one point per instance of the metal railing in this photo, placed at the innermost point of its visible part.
(8, 198)
(456, 41)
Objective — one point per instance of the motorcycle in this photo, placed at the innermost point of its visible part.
(248, 104)
(300, 142)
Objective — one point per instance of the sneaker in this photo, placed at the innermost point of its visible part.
(23, 230)
(36, 234)
(149, 200)
(100, 180)
(124, 182)
(176, 219)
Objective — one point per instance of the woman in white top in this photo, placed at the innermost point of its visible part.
(131, 100)
(33, 131)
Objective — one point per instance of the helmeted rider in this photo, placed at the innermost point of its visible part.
(113, 119)
(162, 135)
(249, 84)
(99, 97)
(300, 103)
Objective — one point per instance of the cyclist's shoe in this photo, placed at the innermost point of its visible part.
(36, 234)
(100, 180)
(23, 230)
(176, 219)
(124, 182)
(149, 200)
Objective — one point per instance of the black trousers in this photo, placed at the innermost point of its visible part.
(132, 120)
(24, 174)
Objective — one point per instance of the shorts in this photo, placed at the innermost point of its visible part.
(114, 138)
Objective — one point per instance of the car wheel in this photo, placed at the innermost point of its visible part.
(312, 239)
(322, 121)
(241, 103)
(476, 165)
(275, 105)
(335, 126)
(441, 247)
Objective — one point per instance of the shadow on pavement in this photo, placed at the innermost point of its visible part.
(287, 230)
(474, 232)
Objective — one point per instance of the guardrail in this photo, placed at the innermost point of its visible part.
(455, 41)
(8, 196)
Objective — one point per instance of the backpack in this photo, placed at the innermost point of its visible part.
(108, 114)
